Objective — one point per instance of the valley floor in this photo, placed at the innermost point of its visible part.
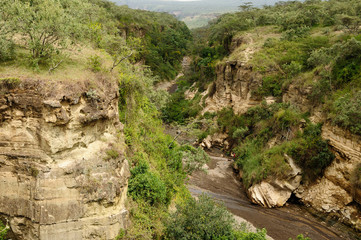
(220, 182)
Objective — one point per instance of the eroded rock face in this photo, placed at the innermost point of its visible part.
(333, 193)
(276, 192)
(56, 180)
(233, 88)
(215, 140)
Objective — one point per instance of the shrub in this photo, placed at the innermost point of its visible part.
(200, 219)
(3, 231)
(95, 63)
(193, 158)
(7, 50)
(311, 152)
(205, 219)
(271, 86)
(178, 109)
(147, 186)
(240, 133)
(346, 112)
(111, 154)
(301, 237)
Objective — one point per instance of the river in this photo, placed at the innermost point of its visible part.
(220, 182)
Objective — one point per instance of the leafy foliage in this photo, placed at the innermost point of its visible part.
(178, 109)
(146, 185)
(3, 231)
(311, 152)
(346, 112)
(252, 132)
(205, 219)
(157, 174)
(194, 158)
(48, 28)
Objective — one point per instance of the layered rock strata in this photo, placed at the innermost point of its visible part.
(233, 88)
(334, 193)
(276, 192)
(62, 170)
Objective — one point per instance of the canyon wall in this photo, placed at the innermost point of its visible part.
(63, 174)
(232, 88)
(332, 193)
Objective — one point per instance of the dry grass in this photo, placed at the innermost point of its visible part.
(254, 40)
(74, 66)
(72, 77)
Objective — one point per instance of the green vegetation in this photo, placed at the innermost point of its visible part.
(111, 154)
(3, 231)
(41, 35)
(292, 135)
(178, 109)
(301, 237)
(157, 174)
(193, 158)
(205, 219)
(313, 44)
(147, 186)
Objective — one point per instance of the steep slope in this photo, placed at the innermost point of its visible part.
(63, 174)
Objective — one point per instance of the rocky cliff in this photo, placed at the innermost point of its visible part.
(232, 88)
(331, 194)
(63, 174)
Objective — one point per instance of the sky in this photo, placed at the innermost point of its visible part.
(194, 13)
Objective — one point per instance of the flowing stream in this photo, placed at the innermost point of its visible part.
(221, 183)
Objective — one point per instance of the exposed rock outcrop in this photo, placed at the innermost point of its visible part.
(276, 192)
(56, 179)
(233, 88)
(333, 193)
(216, 140)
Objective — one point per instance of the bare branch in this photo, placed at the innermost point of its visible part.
(116, 63)
(55, 67)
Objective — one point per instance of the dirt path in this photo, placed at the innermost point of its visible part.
(248, 52)
(281, 223)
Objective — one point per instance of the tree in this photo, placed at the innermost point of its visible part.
(6, 30)
(47, 26)
(120, 50)
(247, 6)
(205, 219)
(350, 23)
(200, 219)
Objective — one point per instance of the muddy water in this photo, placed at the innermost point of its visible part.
(221, 183)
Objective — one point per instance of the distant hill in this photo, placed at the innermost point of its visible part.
(195, 13)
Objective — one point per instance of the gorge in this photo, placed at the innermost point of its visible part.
(118, 123)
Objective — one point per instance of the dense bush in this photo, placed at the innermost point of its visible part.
(3, 231)
(252, 131)
(193, 158)
(311, 152)
(48, 27)
(204, 219)
(346, 112)
(148, 186)
(157, 174)
(7, 50)
(178, 109)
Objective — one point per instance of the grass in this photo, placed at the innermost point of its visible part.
(74, 66)
(255, 40)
